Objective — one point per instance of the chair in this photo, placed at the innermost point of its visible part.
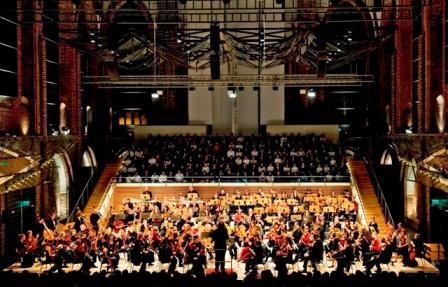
(192, 196)
(45, 260)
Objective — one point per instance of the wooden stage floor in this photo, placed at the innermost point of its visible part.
(238, 267)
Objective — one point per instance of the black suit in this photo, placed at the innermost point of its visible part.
(78, 222)
(220, 237)
(94, 219)
(51, 224)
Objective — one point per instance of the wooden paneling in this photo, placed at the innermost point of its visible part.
(206, 192)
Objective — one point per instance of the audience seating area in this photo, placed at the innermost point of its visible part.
(249, 158)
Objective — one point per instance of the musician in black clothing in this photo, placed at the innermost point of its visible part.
(40, 227)
(22, 251)
(52, 221)
(220, 237)
(167, 254)
(94, 218)
(315, 254)
(79, 221)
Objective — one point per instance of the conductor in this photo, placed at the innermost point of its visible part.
(220, 237)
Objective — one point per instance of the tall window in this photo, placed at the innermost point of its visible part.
(417, 61)
(51, 34)
(8, 48)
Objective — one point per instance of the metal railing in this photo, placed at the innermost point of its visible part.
(237, 179)
(85, 194)
(362, 218)
(105, 199)
(379, 193)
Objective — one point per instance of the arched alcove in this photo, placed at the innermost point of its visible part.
(61, 185)
(411, 188)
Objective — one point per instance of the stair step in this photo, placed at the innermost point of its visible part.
(108, 173)
(367, 193)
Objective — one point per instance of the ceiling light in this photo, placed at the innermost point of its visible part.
(231, 92)
(160, 92)
(311, 93)
(302, 91)
(155, 95)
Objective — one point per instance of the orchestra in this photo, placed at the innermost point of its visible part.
(188, 232)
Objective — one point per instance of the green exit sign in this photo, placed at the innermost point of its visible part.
(4, 163)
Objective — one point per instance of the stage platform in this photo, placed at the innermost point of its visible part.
(239, 267)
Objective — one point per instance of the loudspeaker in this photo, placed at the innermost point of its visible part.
(214, 52)
(214, 38)
(215, 66)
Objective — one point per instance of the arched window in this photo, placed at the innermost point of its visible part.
(411, 192)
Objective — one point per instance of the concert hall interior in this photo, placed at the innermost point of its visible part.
(223, 142)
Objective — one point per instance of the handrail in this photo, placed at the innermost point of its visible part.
(171, 179)
(106, 196)
(81, 196)
(380, 194)
(357, 197)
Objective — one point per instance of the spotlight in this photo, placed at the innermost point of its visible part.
(311, 93)
(231, 92)
(155, 95)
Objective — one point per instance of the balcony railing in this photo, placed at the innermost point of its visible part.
(218, 179)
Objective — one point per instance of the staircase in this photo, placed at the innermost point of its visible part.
(110, 170)
(367, 194)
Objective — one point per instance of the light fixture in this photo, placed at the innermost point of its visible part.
(311, 93)
(154, 95)
(302, 91)
(231, 92)
(160, 92)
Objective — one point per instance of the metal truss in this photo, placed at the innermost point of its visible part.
(179, 81)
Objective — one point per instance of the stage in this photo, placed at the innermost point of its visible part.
(235, 266)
